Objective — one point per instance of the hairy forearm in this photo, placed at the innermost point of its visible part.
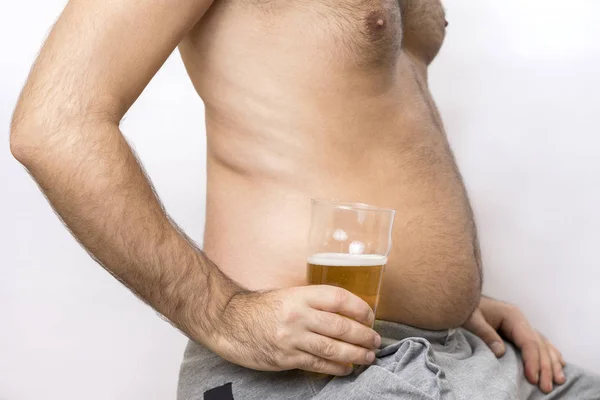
(94, 182)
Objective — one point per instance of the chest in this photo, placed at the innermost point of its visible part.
(364, 33)
(424, 27)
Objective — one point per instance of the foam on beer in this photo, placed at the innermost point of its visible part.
(347, 260)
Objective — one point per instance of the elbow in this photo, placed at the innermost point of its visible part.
(34, 134)
(23, 141)
(20, 147)
(39, 132)
(15, 136)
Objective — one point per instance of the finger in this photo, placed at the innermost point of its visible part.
(559, 355)
(531, 359)
(546, 375)
(525, 338)
(479, 326)
(309, 362)
(557, 367)
(334, 350)
(344, 329)
(338, 300)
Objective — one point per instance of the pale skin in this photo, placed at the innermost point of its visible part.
(282, 127)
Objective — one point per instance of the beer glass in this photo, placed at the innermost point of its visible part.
(348, 246)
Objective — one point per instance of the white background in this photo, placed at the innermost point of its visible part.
(518, 86)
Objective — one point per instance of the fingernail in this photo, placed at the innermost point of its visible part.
(349, 369)
(496, 348)
(377, 341)
(560, 376)
(370, 357)
(537, 378)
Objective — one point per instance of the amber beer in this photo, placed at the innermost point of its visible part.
(361, 274)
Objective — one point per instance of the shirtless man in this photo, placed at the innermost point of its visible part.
(303, 99)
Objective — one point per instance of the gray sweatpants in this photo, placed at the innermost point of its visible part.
(411, 364)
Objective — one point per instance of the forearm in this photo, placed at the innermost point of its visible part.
(94, 182)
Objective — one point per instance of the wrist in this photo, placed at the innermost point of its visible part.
(213, 293)
(189, 289)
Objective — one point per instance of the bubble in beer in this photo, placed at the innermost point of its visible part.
(356, 247)
(340, 235)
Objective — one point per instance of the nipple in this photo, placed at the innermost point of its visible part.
(375, 24)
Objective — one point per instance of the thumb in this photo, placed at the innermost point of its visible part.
(479, 326)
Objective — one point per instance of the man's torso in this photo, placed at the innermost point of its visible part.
(327, 99)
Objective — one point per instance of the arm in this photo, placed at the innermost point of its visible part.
(95, 63)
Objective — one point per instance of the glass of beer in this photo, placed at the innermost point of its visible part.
(348, 246)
